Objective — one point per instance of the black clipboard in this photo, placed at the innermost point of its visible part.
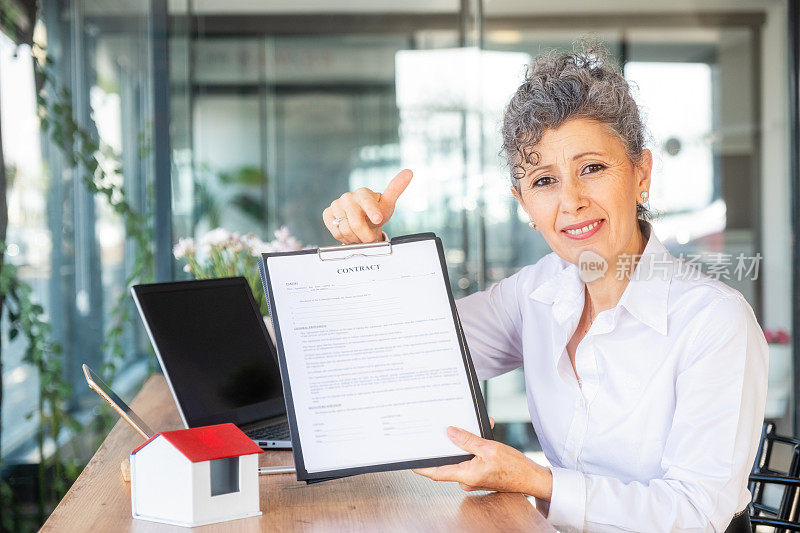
(345, 252)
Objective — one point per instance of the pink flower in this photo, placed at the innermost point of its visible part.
(284, 241)
(215, 237)
(184, 246)
(255, 245)
(777, 336)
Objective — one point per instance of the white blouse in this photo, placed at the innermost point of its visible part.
(661, 430)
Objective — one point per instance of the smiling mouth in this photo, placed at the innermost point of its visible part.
(584, 231)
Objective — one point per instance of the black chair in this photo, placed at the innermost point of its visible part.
(786, 516)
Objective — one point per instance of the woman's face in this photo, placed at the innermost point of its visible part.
(583, 190)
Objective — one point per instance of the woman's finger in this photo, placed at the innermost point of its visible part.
(368, 201)
(491, 422)
(397, 186)
(357, 220)
(466, 441)
(327, 218)
(429, 472)
(345, 230)
(454, 472)
(348, 236)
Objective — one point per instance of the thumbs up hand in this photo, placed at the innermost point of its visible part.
(357, 217)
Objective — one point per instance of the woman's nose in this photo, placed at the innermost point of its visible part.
(572, 196)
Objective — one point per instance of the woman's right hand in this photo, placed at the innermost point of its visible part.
(363, 213)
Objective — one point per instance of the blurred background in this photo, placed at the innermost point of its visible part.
(129, 125)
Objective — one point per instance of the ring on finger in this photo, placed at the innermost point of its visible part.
(346, 232)
(337, 221)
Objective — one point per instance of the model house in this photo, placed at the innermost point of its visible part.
(197, 476)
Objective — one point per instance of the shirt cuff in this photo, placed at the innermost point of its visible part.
(568, 502)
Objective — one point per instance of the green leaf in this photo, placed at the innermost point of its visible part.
(246, 175)
(250, 206)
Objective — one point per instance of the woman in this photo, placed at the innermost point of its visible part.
(646, 382)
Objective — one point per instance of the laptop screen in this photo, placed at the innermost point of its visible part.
(214, 349)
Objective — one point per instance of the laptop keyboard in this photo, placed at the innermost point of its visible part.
(275, 432)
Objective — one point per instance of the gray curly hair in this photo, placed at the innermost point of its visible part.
(560, 86)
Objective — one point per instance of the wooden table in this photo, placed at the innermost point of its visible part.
(389, 501)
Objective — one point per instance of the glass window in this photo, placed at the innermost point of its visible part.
(280, 125)
(28, 235)
(70, 244)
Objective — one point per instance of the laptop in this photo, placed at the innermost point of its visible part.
(219, 360)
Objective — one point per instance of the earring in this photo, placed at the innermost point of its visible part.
(532, 224)
(645, 196)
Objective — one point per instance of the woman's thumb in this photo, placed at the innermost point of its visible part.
(397, 186)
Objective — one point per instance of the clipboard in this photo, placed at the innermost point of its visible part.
(344, 252)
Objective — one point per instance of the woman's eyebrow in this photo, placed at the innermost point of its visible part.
(536, 168)
(582, 154)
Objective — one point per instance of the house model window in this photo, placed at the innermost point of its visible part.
(224, 475)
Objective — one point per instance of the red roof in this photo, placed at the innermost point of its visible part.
(207, 443)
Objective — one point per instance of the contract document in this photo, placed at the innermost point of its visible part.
(373, 361)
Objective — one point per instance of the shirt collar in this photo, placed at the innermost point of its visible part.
(562, 290)
(645, 297)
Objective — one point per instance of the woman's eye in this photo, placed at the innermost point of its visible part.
(592, 168)
(541, 182)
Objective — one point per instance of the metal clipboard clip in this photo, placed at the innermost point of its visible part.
(346, 251)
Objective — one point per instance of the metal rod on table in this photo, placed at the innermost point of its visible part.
(267, 470)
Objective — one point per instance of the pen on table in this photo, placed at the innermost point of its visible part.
(266, 470)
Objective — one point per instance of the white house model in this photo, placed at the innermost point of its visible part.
(197, 476)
